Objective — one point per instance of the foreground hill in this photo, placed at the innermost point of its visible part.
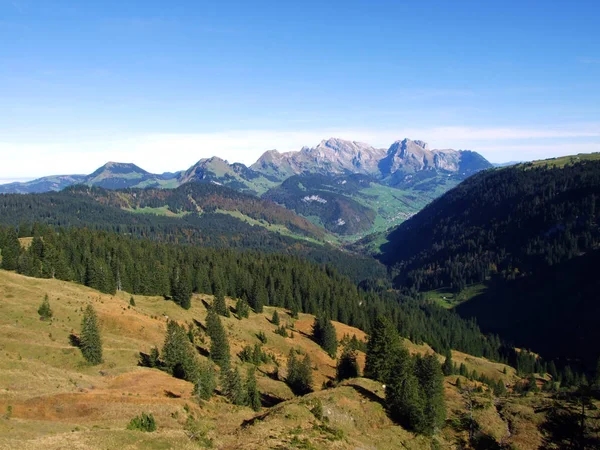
(530, 234)
(56, 400)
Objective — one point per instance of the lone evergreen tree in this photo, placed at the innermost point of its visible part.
(431, 381)
(206, 382)
(242, 308)
(182, 290)
(219, 304)
(299, 377)
(275, 318)
(44, 310)
(384, 342)
(179, 356)
(90, 341)
(219, 344)
(232, 386)
(347, 366)
(252, 394)
(448, 366)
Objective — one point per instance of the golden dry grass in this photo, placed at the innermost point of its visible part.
(58, 401)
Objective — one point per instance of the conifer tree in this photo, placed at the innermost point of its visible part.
(252, 393)
(258, 297)
(90, 341)
(179, 357)
(219, 344)
(11, 249)
(219, 304)
(44, 310)
(431, 381)
(384, 342)
(299, 376)
(154, 359)
(347, 366)
(448, 366)
(182, 290)
(206, 382)
(325, 335)
(275, 318)
(242, 309)
(403, 394)
(232, 386)
(499, 389)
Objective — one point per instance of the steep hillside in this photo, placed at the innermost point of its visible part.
(53, 399)
(519, 229)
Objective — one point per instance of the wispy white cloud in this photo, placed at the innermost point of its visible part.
(160, 152)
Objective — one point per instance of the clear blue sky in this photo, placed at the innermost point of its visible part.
(163, 84)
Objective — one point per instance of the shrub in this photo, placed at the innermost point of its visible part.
(145, 422)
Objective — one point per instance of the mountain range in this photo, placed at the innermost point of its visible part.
(350, 188)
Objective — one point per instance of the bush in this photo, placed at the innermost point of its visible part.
(281, 331)
(145, 422)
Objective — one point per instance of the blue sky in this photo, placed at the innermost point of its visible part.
(163, 84)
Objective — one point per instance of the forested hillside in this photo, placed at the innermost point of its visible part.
(529, 233)
(110, 262)
(199, 214)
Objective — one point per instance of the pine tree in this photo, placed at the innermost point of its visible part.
(179, 357)
(299, 376)
(347, 366)
(219, 344)
(154, 359)
(90, 341)
(252, 393)
(232, 386)
(499, 389)
(206, 382)
(448, 366)
(324, 334)
(11, 249)
(219, 304)
(44, 310)
(182, 290)
(383, 344)
(275, 318)
(242, 309)
(431, 381)
(403, 394)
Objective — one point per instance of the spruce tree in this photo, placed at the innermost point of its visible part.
(232, 386)
(219, 304)
(154, 358)
(179, 356)
(219, 344)
(44, 310)
(431, 381)
(90, 341)
(299, 376)
(182, 290)
(347, 366)
(206, 382)
(275, 318)
(242, 309)
(11, 249)
(252, 393)
(324, 334)
(384, 342)
(448, 366)
(403, 394)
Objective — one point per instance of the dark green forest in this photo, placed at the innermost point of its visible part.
(530, 234)
(100, 209)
